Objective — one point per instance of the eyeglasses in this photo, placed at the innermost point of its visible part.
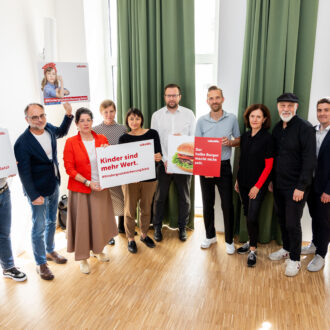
(35, 118)
(174, 96)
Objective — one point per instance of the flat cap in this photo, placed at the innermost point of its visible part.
(288, 97)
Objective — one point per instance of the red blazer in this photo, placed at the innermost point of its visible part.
(76, 161)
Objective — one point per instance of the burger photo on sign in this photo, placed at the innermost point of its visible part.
(184, 157)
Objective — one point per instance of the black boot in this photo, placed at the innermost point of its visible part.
(121, 227)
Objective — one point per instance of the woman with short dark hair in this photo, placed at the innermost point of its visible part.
(255, 165)
(139, 191)
(91, 221)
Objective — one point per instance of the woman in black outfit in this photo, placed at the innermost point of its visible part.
(255, 165)
(139, 191)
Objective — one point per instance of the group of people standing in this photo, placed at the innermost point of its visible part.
(293, 162)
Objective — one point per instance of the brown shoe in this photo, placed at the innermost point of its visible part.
(54, 256)
(44, 272)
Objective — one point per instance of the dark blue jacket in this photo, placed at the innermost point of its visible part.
(35, 169)
(322, 172)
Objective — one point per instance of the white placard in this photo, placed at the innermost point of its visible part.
(75, 79)
(7, 158)
(126, 163)
(173, 142)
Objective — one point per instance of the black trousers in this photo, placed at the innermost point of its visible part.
(251, 209)
(225, 188)
(182, 183)
(289, 213)
(320, 214)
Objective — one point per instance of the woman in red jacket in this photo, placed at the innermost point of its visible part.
(91, 222)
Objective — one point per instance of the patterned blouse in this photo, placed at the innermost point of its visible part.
(111, 132)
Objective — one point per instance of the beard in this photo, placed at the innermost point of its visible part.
(38, 127)
(216, 107)
(286, 119)
(172, 105)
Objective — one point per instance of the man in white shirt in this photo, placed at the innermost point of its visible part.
(172, 119)
(319, 198)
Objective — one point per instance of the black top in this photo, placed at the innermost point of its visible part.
(254, 150)
(295, 154)
(151, 134)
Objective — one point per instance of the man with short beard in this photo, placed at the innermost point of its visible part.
(172, 119)
(36, 153)
(295, 160)
(219, 123)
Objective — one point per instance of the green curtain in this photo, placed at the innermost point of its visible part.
(278, 57)
(155, 48)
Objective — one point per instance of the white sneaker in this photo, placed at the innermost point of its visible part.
(292, 267)
(208, 242)
(278, 255)
(84, 267)
(103, 257)
(230, 248)
(316, 264)
(309, 249)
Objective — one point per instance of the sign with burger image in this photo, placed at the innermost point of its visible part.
(184, 157)
(194, 155)
(180, 154)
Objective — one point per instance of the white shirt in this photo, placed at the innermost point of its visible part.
(90, 147)
(320, 135)
(166, 123)
(45, 141)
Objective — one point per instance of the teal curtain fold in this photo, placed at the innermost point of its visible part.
(278, 57)
(155, 48)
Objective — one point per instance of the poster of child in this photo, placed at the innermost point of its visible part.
(52, 83)
(63, 82)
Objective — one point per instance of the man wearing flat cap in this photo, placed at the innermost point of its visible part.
(294, 163)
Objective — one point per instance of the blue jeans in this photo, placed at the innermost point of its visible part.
(44, 226)
(6, 254)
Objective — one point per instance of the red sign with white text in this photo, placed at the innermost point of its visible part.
(207, 156)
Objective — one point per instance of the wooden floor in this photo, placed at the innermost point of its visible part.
(174, 286)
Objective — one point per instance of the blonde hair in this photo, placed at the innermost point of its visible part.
(107, 103)
(44, 81)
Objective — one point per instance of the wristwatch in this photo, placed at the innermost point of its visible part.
(87, 183)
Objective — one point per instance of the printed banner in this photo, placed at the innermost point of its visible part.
(7, 157)
(180, 154)
(194, 155)
(126, 163)
(62, 82)
(207, 156)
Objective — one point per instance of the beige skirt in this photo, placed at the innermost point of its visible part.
(90, 222)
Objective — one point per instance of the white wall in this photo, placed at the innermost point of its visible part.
(321, 67)
(22, 41)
